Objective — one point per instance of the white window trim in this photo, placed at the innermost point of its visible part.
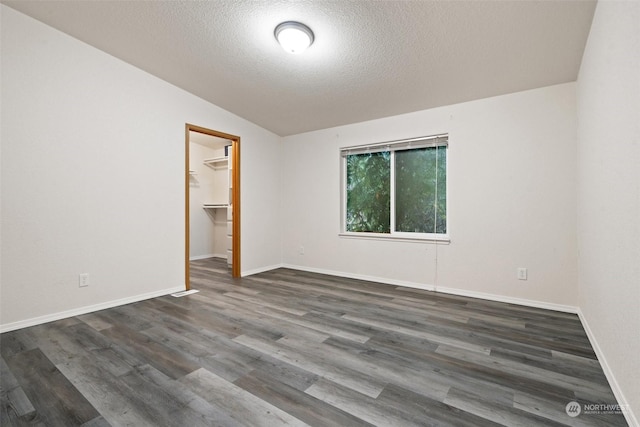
(392, 146)
(397, 236)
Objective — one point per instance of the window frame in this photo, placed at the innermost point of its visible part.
(441, 140)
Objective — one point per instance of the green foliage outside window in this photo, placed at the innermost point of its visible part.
(368, 192)
(420, 191)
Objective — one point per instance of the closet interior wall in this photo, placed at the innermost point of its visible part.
(210, 216)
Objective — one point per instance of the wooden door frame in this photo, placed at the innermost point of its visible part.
(235, 198)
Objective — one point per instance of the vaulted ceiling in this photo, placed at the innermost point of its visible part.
(370, 59)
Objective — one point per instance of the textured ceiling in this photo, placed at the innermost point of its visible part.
(370, 59)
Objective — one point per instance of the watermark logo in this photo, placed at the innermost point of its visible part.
(573, 409)
(603, 408)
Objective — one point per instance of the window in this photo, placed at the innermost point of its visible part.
(396, 189)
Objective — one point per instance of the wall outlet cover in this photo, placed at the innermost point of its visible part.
(83, 280)
(522, 273)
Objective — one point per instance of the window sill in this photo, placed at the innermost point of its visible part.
(396, 238)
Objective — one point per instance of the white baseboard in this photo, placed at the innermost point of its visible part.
(510, 300)
(360, 277)
(197, 257)
(84, 310)
(444, 290)
(631, 418)
(260, 270)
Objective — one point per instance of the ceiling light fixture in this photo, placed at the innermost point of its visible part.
(294, 37)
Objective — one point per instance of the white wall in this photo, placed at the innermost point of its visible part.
(511, 178)
(609, 193)
(93, 177)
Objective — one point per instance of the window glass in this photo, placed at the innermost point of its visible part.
(420, 190)
(397, 188)
(368, 192)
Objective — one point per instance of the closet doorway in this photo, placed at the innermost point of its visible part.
(212, 202)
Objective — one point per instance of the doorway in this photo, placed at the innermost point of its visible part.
(229, 160)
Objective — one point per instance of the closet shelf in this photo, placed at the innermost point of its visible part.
(215, 206)
(216, 161)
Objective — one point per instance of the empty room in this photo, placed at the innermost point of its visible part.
(320, 213)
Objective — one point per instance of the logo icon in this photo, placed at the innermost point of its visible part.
(573, 409)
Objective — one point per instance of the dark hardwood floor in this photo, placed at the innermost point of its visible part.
(294, 348)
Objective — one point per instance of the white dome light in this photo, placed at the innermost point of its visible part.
(294, 37)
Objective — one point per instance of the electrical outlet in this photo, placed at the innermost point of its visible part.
(301, 250)
(83, 280)
(522, 273)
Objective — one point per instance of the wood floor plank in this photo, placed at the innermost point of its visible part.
(497, 412)
(114, 400)
(322, 327)
(62, 344)
(165, 401)
(15, 342)
(14, 403)
(265, 303)
(56, 400)
(170, 362)
(213, 353)
(424, 411)
(360, 405)
(428, 364)
(285, 373)
(528, 372)
(386, 370)
(242, 406)
(307, 408)
(264, 321)
(95, 321)
(97, 422)
(574, 368)
(288, 347)
(440, 339)
(314, 362)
